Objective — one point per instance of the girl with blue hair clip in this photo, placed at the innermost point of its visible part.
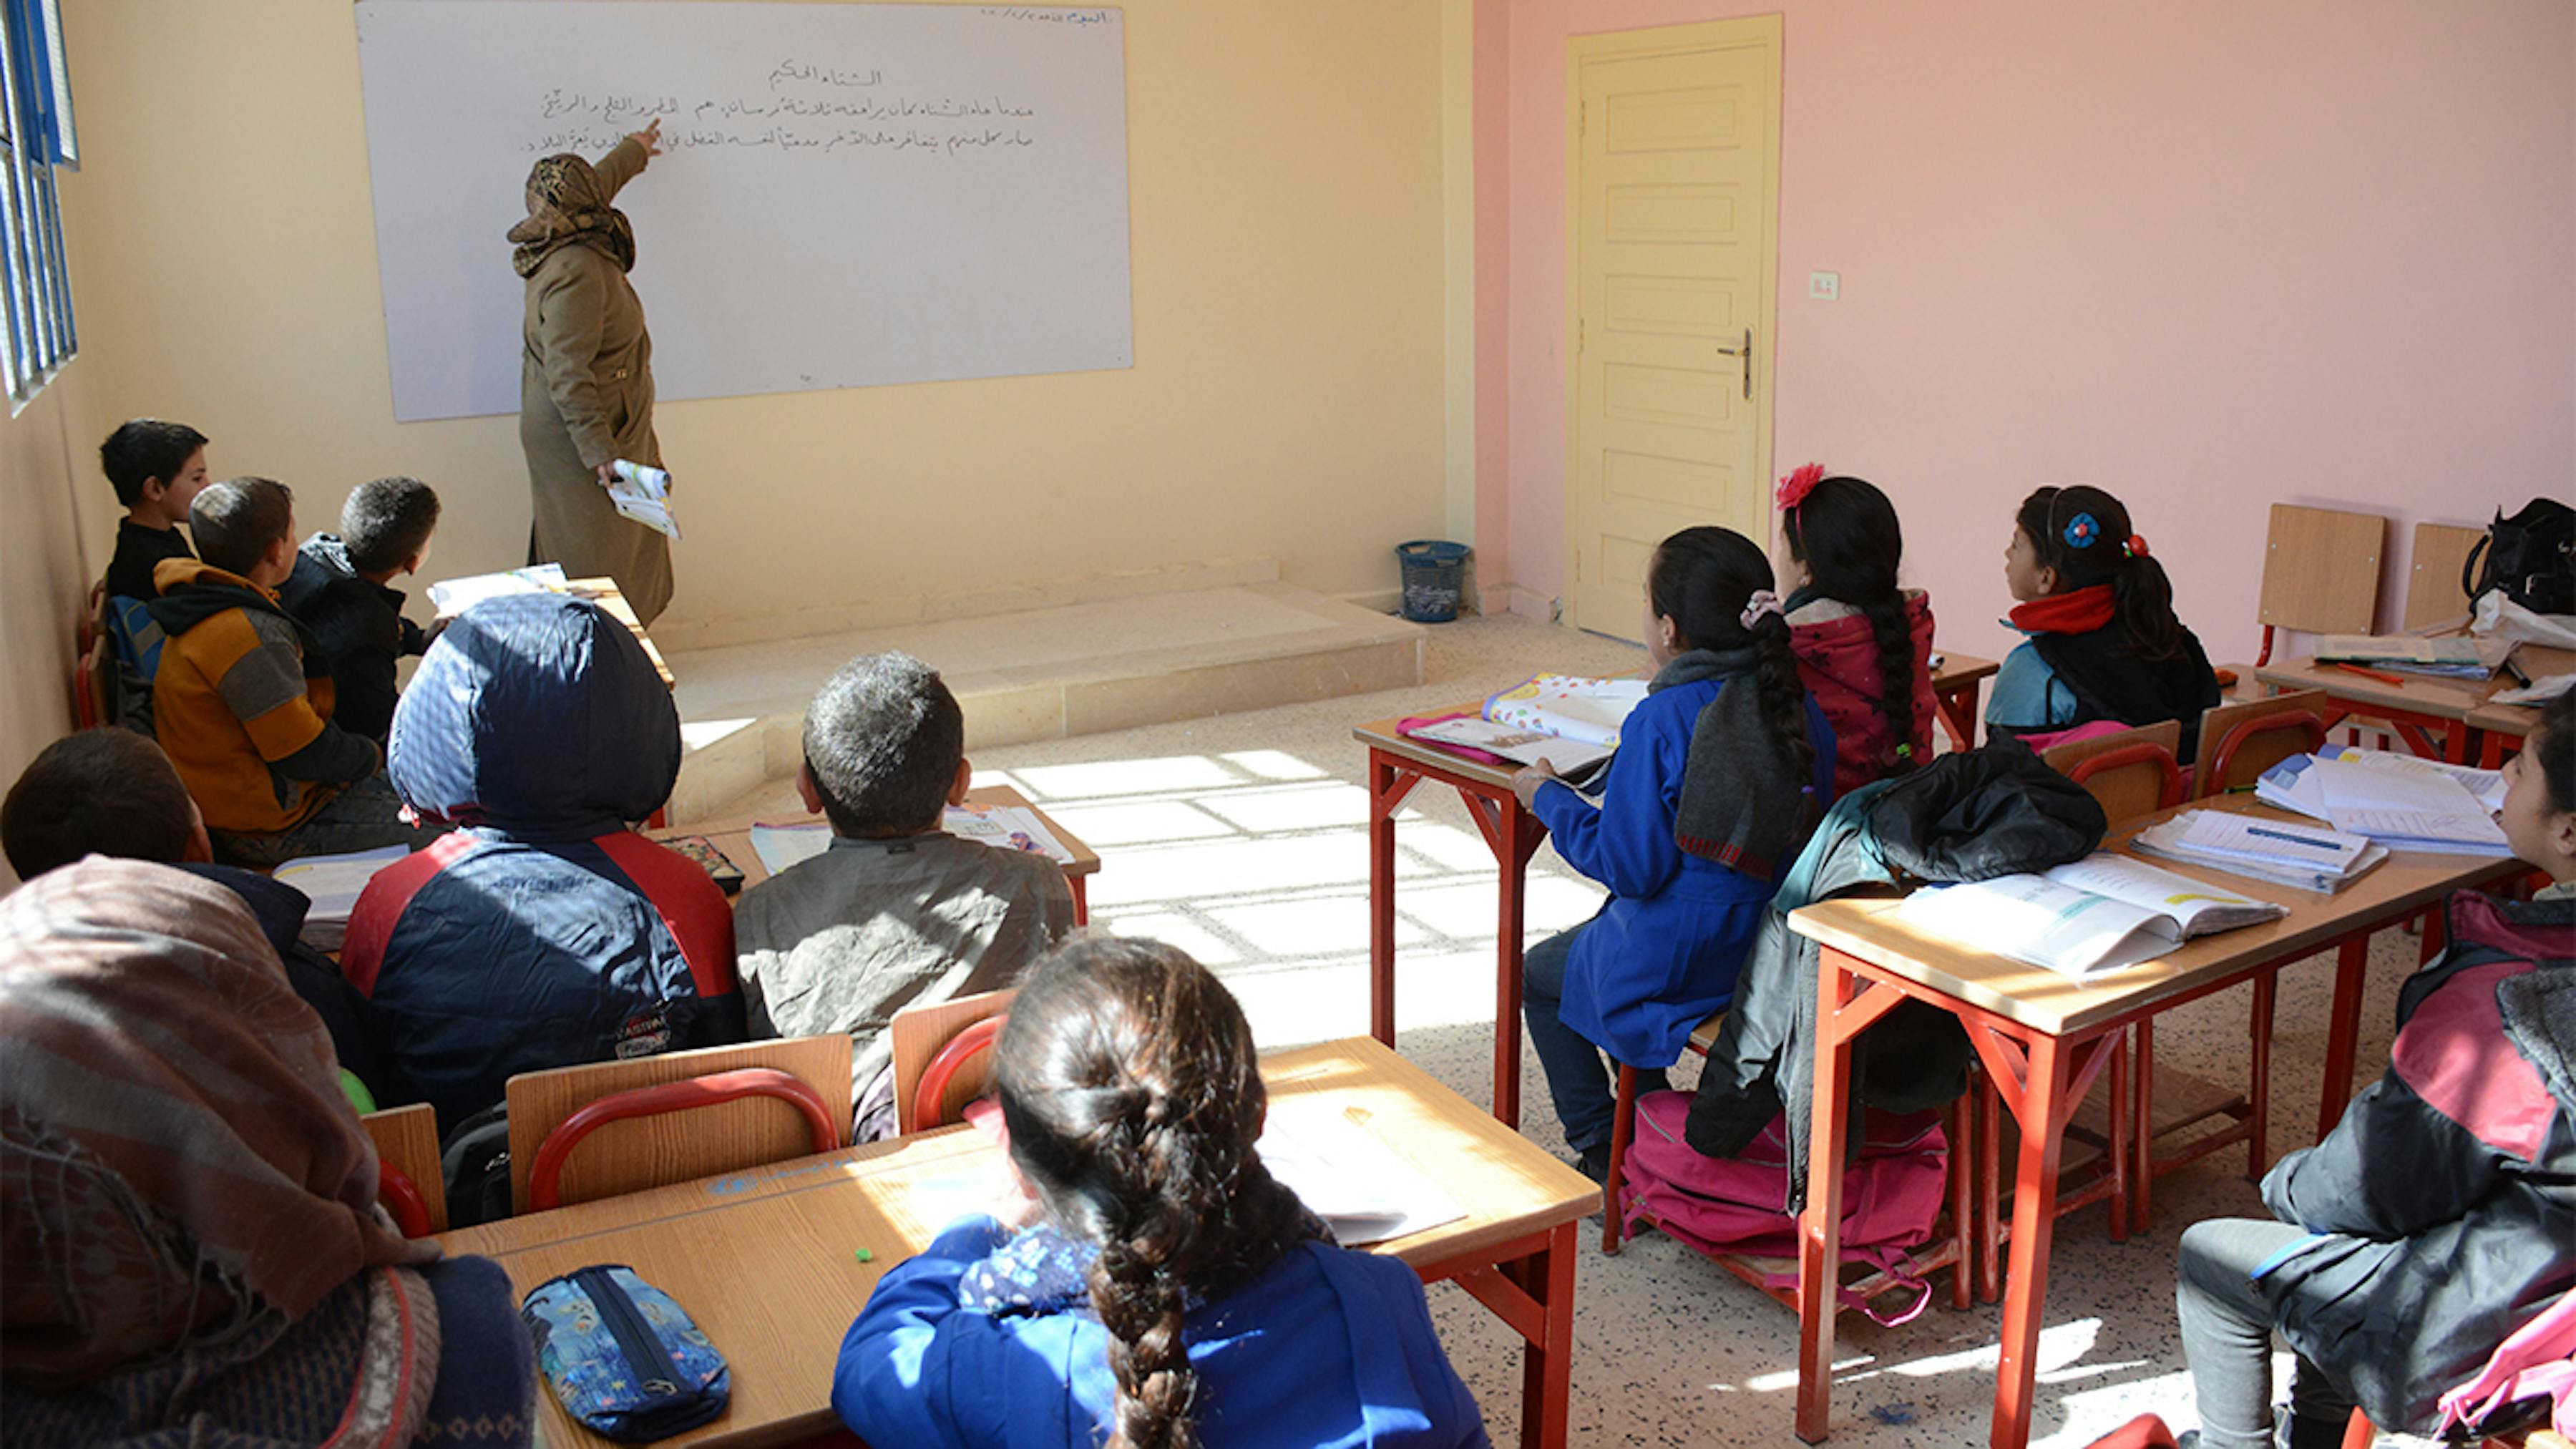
(2103, 643)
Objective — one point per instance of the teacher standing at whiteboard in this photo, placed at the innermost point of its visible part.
(586, 375)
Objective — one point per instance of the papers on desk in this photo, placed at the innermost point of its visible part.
(2453, 656)
(2486, 785)
(2094, 915)
(1006, 827)
(2310, 857)
(452, 597)
(1572, 758)
(333, 884)
(2540, 691)
(1568, 707)
(2400, 803)
(1358, 1185)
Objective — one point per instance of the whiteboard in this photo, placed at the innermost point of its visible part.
(854, 194)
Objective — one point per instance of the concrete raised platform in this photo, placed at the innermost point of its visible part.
(1044, 674)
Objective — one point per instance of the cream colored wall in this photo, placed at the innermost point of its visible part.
(1286, 184)
(47, 562)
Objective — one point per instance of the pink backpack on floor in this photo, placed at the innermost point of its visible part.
(1892, 1194)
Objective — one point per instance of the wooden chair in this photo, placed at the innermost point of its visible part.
(2238, 742)
(2320, 572)
(650, 1121)
(2131, 773)
(408, 1177)
(943, 1056)
(2434, 597)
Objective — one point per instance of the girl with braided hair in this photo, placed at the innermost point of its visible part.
(1864, 646)
(1168, 1291)
(2104, 642)
(1719, 775)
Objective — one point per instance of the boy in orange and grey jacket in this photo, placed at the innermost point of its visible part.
(243, 699)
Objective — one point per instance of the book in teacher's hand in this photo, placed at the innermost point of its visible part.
(2085, 918)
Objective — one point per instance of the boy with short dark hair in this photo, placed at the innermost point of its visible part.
(113, 792)
(897, 911)
(243, 703)
(341, 587)
(99, 792)
(157, 469)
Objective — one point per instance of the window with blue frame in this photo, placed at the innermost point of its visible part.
(36, 141)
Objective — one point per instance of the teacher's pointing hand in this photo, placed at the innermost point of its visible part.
(650, 138)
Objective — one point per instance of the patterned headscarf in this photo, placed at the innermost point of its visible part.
(568, 207)
(177, 1162)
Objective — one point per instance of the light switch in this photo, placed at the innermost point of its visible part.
(1824, 286)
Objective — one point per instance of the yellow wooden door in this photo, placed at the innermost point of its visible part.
(1672, 173)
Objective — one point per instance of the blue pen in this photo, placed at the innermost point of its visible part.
(2309, 841)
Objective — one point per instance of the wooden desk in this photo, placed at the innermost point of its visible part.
(1398, 762)
(2499, 726)
(604, 593)
(2043, 1038)
(733, 837)
(1955, 686)
(2435, 717)
(765, 1260)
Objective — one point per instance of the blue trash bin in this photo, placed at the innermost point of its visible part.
(1435, 573)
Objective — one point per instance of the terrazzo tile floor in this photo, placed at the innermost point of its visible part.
(1242, 839)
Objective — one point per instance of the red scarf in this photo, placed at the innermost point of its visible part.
(2077, 611)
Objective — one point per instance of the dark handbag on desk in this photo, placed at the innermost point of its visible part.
(2531, 556)
(621, 1357)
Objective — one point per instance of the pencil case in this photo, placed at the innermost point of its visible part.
(622, 1358)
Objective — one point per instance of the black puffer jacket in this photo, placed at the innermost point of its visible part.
(1970, 816)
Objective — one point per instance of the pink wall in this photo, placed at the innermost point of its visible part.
(2205, 254)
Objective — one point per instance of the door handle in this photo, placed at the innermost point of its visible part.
(1745, 352)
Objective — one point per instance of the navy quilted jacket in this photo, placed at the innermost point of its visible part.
(543, 932)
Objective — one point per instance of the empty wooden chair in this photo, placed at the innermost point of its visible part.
(594, 1131)
(2434, 597)
(2320, 572)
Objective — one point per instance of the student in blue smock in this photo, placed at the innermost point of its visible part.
(1169, 1291)
(1720, 774)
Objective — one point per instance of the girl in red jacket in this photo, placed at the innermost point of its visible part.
(1864, 646)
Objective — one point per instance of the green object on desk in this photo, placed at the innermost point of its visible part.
(356, 1091)
(863, 1255)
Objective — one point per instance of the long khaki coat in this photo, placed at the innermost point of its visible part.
(586, 398)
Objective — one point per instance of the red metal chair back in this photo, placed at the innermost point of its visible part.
(401, 1197)
(930, 1098)
(680, 1096)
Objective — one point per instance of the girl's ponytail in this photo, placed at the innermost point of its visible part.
(1783, 692)
(2085, 534)
(1846, 532)
(1716, 587)
(1133, 1096)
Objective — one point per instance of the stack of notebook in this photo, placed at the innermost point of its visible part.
(2306, 856)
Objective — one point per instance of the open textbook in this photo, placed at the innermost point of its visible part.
(2094, 915)
(1574, 760)
(1568, 707)
(452, 597)
(333, 883)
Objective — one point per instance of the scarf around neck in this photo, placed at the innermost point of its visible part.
(567, 206)
(181, 1167)
(1743, 804)
(2077, 611)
